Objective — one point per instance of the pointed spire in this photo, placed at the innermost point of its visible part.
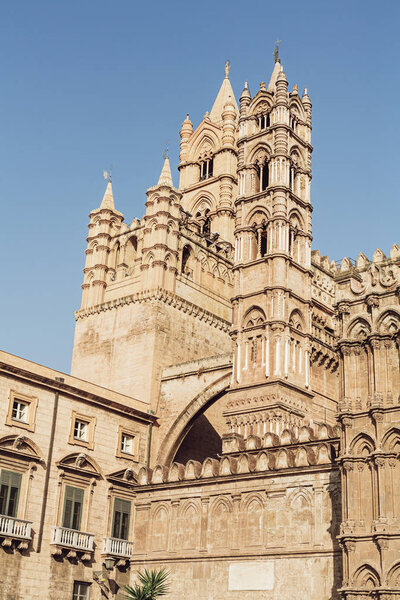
(165, 176)
(108, 198)
(274, 77)
(223, 97)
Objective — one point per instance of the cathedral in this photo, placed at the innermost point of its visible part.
(233, 408)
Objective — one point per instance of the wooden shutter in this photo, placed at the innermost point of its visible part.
(73, 502)
(122, 511)
(10, 485)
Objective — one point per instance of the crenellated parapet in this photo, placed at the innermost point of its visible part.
(307, 447)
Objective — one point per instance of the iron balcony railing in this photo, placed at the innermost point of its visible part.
(116, 547)
(15, 528)
(70, 538)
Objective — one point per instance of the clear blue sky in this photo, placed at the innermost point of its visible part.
(88, 83)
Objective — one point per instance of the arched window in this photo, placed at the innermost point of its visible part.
(263, 175)
(206, 169)
(186, 268)
(264, 121)
(204, 220)
(261, 238)
(131, 251)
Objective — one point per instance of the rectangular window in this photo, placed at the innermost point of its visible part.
(80, 430)
(127, 443)
(20, 411)
(81, 590)
(10, 485)
(122, 511)
(73, 503)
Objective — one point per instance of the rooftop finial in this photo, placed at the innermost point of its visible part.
(108, 174)
(166, 150)
(276, 51)
(227, 67)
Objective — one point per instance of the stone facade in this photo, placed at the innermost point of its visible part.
(245, 395)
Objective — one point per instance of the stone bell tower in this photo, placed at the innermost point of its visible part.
(271, 331)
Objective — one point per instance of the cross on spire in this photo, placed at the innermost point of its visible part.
(166, 150)
(108, 174)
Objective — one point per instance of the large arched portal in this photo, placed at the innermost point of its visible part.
(203, 439)
(196, 433)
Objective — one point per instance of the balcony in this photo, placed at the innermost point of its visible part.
(15, 529)
(75, 541)
(117, 548)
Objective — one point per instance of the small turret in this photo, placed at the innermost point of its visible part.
(103, 222)
(307, 105)
(281, 88)
(228, 124)
(185, 133)
(245, 99)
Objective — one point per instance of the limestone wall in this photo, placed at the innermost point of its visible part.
(125, 346)
(243, 526)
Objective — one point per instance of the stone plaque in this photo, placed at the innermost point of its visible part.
(251, 575)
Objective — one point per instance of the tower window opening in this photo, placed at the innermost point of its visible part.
(263, 243)
(186, 260)
(264, 121)
(207, 223)
(263, 176)
(291, 176)
(206, 169)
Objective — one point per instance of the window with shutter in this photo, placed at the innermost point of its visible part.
(122, 511)
(10, 485)
(73, 502)
(81, 590)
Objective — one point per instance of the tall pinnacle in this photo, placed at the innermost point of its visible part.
(108, 198)
(165, 176)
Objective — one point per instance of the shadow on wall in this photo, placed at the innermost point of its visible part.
(334, 530)
(201, 442)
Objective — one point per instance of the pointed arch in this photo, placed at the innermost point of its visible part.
(366, 577)
(160, 527)
(260, 153)
(359, 328)
(388, 322)
(362, 445)
(296, 320)
(252, 520)
(187, 261)
(393, 576)
(297, 108)
(220, 522)
(391, 440)
(254, 316)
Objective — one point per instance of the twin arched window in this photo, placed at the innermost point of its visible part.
(264, 121)
(206, 169)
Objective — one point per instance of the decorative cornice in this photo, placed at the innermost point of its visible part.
(158, 295)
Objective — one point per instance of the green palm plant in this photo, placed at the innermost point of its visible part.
(152, 584)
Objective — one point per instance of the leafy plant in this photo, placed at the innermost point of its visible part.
(152, 584)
